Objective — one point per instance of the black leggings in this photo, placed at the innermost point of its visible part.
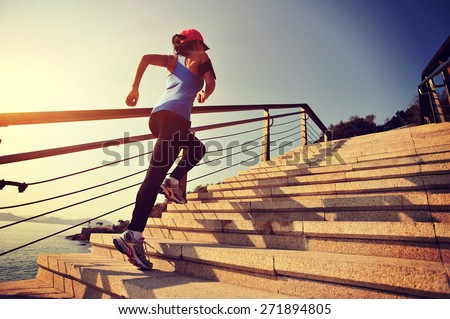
(172, 131)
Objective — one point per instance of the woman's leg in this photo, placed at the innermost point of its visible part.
(165, 152)
(193, 152)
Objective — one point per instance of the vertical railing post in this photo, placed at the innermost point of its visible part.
(426, 113)
(436, 104)
(325, 137)
(328, 136)
(303, 129)
(265, 151)
(446, 79)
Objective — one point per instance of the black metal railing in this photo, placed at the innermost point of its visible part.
(434, 90)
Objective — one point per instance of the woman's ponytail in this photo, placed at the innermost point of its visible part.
(177, 45)
(182, 48)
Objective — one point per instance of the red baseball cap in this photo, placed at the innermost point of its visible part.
(193, 35)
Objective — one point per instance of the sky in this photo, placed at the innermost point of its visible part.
(341, 57)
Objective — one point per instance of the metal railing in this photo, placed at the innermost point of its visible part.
(434, 97)
(307, 128)
(8, 119)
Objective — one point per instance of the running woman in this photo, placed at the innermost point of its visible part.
(190, 70)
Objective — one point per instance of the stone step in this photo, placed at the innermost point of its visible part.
(405, 216)
(277, 179)
(31, 289)
(417, 132)
(343, 157)
(288, 271)
(348, 151)
(428, 155)
(416, 136)
(378, 142)
(277, 171)
(342, 148)
(435, 200)
(432, 176)
(425, 132)
(372, 139)
(423, 147)
(393, 231)
(92, 276)
(425, 241)
(370, 206)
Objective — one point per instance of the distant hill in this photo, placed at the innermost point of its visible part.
(52, 220)
(9, 217)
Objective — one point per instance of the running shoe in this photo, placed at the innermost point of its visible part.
(171, 189)
(133, 247)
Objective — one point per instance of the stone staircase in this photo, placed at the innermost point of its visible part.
(365, 217)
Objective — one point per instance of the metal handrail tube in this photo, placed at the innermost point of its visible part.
(19, 157)
(22, 118)
(435, 73)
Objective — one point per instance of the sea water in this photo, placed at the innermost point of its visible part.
(22, 264)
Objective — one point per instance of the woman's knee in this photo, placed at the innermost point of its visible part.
(201, 149)
(197, 146)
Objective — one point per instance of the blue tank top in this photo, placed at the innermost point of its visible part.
(182, 87)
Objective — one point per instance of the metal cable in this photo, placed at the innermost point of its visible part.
(64, 230)
(88, 170)
(74, 192)
(68, 206)
(245, 132)
(258, 138)
(317, 136)
(249, 149)
(239, 163)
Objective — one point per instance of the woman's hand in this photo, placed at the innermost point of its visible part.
(201, 96)
(132, 98)
(209, 87)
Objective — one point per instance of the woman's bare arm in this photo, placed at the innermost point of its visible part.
(209, 88)
(210, 81)
(148, 59)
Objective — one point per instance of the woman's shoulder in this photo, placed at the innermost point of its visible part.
(172, 61)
